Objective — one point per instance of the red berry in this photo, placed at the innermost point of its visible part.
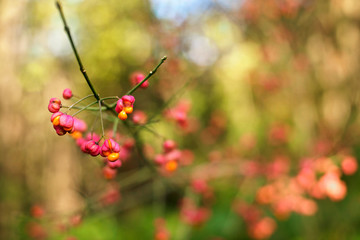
(67, 93)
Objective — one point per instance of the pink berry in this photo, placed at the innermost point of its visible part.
(124, 154)
(76, 220)
(67, 93)
(169, 145)
(145, 84)
(67, 122)
(139, 117)
(129, 143)
(55, 100)
(199, 186)
(37, 211)
(54, 105)
(59, 130)
(128, 100)
(160, 159)
(109, 146)
(83, 146)
(93, 136)
(109, 173)
(187, 157)
(173, 155)
(137, 77)
(79, 125)
(54, 115)
(349, 165)
(119, 106)
(92, 148)
(115, 146)
(114, 164)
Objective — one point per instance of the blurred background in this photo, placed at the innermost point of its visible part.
(270, 90)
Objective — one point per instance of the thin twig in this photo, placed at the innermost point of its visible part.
(84, 108)
(106, 98)
(101, 120)
(80, 100)
(89, 109)
(147, 77)
(115, 126)
(82, 69)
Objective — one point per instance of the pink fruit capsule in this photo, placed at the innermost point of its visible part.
(67, 93)
(67, 122)
(59, 130)
(119, 106)
(169, 145)
(114, 164)
(54, 107)
(128, 100)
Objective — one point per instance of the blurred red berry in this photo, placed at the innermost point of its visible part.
(67, 93)
(349, 165)
(139, 117)
(109, 173)
(54, 105)
(136, 78)
(37, 211)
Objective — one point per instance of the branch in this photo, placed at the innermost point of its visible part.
(147, 77)
(82, 69)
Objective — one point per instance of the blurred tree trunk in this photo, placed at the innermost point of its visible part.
(35, 168)
(11, 120)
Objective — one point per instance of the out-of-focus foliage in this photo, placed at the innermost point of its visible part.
(272, 89)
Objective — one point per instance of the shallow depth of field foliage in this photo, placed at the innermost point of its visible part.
(271, 92)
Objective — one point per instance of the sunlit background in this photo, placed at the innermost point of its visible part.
(261, 81)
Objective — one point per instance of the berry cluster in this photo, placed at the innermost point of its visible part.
(179, 114)
(109, 148)
(125, 106)
(62, 122)
(192, 214)
(92, 143)
(169, 160)
(115, 154)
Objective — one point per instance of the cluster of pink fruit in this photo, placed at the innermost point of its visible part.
(192, 214)
(321, 177)
(171, 157)
(108, 147)
(125, 106)
(91, 144)
(62, 122)
(179, 114)
(317, 178)
(258, 226)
